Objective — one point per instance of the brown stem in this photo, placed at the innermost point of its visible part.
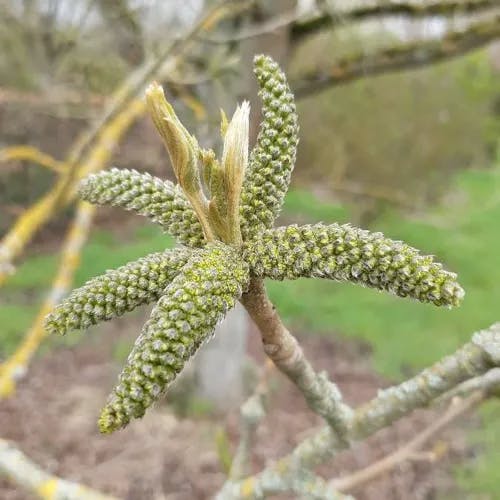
(282, 347)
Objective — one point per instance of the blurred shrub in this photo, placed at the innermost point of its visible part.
(403, 132)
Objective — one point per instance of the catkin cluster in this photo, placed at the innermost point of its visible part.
(194, 285)
(184, 318)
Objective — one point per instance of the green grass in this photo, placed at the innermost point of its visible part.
(464, 234)
(405, 335)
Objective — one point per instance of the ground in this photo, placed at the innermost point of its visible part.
(53, 417)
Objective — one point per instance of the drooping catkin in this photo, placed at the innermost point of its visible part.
(184, 318)
(117, 291)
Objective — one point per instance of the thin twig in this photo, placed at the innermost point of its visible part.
(28, 153)
(252, 411)
(276, 23)
(489, 383)
(456, 410)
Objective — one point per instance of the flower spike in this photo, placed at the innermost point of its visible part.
(117, 291)
(161, 201)
(273, 157)
(184, 318)
(346, 253)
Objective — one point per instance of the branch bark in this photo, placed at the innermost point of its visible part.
(18, 468)
(399, 57)
(301, 29)
(474, 359)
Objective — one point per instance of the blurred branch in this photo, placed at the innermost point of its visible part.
(263, 28)
(63, 192)
(251, 413)
(114, 121)
(18, 468)
(488, 383)
(123, 23)
(474, 359)
(28, 153)
(456, 410)
(303, 28)
(15, 367)
(399, 57)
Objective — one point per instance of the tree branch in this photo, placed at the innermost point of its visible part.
(454, 412)
(17, 467)
(472, 360)
(301, 29)
(28, 153)
(322, 396)
(252, 411)
(399, 57)
(16, 366)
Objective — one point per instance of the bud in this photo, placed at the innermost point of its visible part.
(235, 154)
(183, 150)
(182, 147)
(227, 180)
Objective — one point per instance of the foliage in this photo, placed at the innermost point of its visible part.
(399, 134)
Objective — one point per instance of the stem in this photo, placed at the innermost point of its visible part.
(322, 396)
(476, 358)
(17, 467)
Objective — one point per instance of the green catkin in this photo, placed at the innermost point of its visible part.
(161, 201)
(346, 253)
(185, 317)
(273, 157)
(117, 291)
(195, 287)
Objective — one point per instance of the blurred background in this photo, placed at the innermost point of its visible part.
(399, 109)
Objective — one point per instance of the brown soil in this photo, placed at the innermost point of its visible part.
(52, 418)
